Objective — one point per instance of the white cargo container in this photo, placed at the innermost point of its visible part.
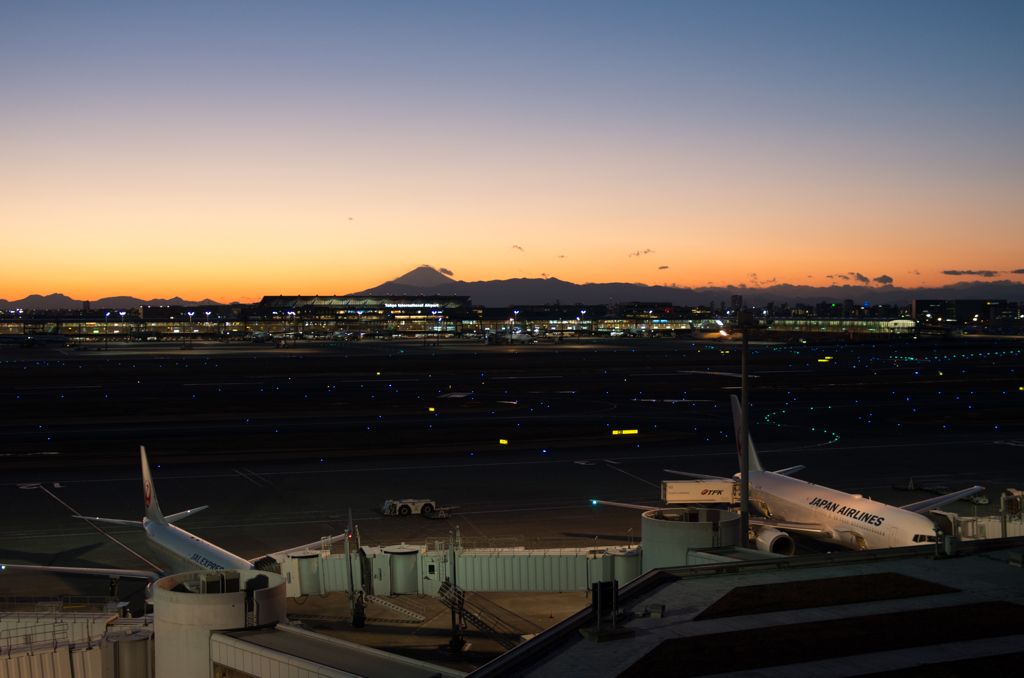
(699, 491)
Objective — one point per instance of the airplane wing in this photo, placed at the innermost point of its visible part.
(129, 523)
(922, 506)
(96, 571)
(807, 529)
(790, 471)
(184, 514)
(697, 475)
(632, 506)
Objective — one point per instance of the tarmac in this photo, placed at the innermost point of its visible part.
(281, 443)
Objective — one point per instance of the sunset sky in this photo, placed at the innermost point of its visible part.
(236, 149)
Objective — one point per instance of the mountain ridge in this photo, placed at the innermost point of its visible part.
(58, 301)
(535, 291)
(426, 280)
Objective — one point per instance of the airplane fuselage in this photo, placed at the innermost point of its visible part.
(185, 552)
(853, 521)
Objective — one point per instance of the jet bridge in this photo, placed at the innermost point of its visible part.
(670, 537)
(409, 569)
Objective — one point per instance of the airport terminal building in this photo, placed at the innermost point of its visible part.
(368, 315)
(347, 317)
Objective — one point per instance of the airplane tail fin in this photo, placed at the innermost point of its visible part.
(149, 492)
(737, 423)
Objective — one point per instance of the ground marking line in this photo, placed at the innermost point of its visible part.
(614, 468)
(247, 477)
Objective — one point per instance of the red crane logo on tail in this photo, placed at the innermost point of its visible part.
(149, 493)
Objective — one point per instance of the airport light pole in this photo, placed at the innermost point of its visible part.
(106, 331)
(121, 313)
(746, 323)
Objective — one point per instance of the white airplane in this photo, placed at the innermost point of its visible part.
(181, 550)
(792, 506)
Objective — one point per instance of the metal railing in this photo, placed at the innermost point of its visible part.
(483, 619)
(29, 607)
(54, 632)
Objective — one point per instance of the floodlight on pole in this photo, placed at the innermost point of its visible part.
(746, 323)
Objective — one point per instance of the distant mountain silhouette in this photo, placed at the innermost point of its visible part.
(528, 291)
(423, 276)
(36, 302)
(426, 280)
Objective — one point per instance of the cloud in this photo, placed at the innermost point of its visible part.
(641, 252)
(840, 275)
(915, 272)
(884, 279)
(769, 282)
(860, 278)
(829, 276)
(561, 256)
(545, 276)
(517, 247)
(662, 268)
(446, 271)
(1019, 271)
(983, 274)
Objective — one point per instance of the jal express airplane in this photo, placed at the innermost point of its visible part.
(184, 552)
(792, 506)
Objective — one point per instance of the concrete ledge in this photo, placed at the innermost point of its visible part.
(606, 634)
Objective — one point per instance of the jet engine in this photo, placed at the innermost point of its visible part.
(770, 540)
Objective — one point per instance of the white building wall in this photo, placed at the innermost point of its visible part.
(94, 662)
(38, 664)
(183, 621)
(266, 663)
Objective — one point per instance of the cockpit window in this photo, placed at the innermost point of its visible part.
(924, 538)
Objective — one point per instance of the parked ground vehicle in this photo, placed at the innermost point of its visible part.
(424, 507)
(404, 507)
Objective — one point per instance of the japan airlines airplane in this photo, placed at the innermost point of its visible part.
(184, 552)
(791, 506)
